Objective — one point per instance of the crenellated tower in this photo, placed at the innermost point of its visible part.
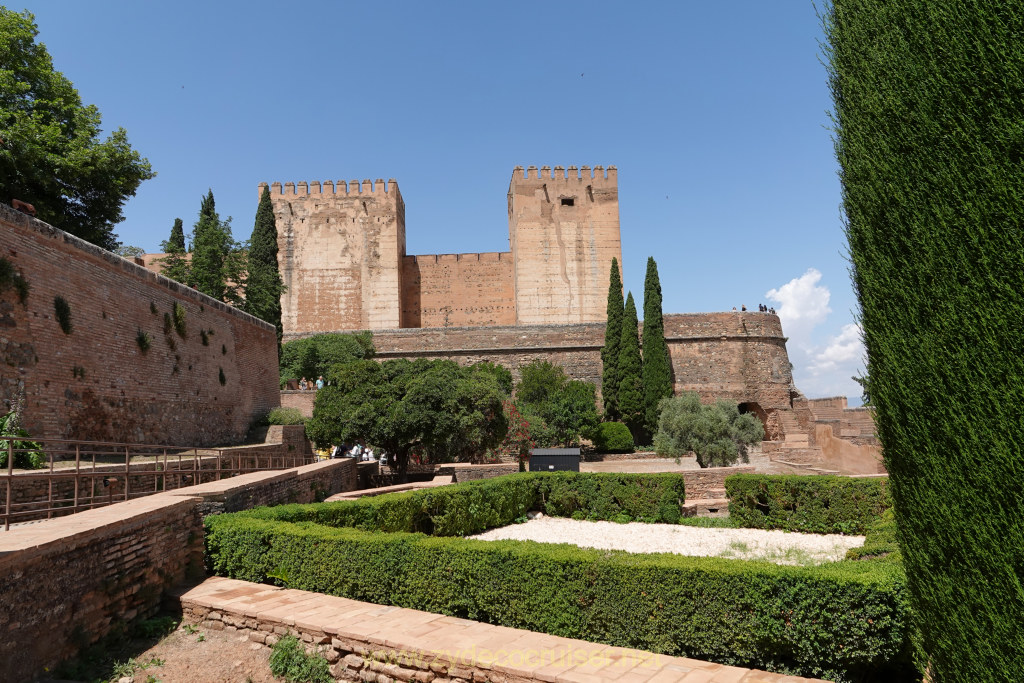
(564, 232)
(340, 252)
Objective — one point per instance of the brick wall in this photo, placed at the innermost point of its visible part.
(710, 482)
(67, 582)
(303, 400)
(96, 383)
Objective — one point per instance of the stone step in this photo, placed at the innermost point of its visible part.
(706, 507)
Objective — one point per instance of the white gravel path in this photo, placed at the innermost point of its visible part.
(781, 547)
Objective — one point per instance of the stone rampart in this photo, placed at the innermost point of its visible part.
(458, 290)
(122, 371)
(66, 583)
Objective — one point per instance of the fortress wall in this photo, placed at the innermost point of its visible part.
(96, 383)
(457, 290)
(564, 232)
(741, 357)
(340, 254)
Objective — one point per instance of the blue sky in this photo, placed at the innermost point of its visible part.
(716, 115)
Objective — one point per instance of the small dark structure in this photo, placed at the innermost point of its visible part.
(555, 460)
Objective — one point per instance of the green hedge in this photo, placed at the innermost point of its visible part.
(814, 504)
(845, 621)
(474, 506)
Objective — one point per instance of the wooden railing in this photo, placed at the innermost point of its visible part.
(81, 475)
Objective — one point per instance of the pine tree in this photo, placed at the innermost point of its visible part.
(657, 372)
(175, 264)
(631, 389)
(612, 342)
(211, 244)
(264, 287)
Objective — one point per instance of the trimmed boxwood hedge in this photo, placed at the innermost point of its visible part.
(814, 504)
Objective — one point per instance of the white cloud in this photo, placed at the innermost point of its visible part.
(803, 305)
(821, 367)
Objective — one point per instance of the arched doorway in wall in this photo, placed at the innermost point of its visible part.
(769, 420)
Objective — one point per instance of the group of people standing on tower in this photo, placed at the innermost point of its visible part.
(760, 307)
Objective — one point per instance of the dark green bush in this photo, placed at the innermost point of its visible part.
(745, 613)
(612, 437)
(815, 504)
(879, 540)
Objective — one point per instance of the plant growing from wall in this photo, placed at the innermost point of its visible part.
(143, 340)
(205, 337)
(179, 320)
(168, 323)
(928, 138)
(28, 455)
(220, 376)
(223, 350)
(152, 308)
(631, 387)
(62, 310)
(657, 368)
(612, 342)
(10, 278)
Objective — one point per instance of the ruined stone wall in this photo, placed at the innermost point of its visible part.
(736, 356)
(564, 232)
(97, 383)
(340, 250)
(458, 290)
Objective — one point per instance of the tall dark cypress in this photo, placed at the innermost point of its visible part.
(264, 287)
(612, 342)
(929, 139)
(211, 242)
(631, 387)
(657, 373)
(175, 264)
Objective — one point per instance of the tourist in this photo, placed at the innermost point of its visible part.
(319, 382)
(743, 307)
(303, 384)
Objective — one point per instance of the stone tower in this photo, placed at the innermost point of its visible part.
(340, 254)
(564, 232)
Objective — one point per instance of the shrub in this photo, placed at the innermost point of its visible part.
(62, 310)
(285, 416)
(290, 661)
(612, 437)
(845, 621)
(179, 320)
(28, 455)
(716, 433)
(143, 340)
(815, 504)
(10, 278)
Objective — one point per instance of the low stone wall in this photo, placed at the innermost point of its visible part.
(303, 400)
(710, 482)
(65, 583)
(461, 472)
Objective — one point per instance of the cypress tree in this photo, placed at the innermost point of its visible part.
(929, 138)
(211, 243)
(612, 342)
(657, 373)
(263, 287)
(175, 264)
(631, 388)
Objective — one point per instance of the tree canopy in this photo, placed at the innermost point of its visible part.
(263, 284)
(317, 355)
(566, 409)
(218, 266)
(51, 154)
(612, 342)
(716, 433)
(433, 410)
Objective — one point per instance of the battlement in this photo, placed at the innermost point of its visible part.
(597, 174)
(351, 188)
(482, 257)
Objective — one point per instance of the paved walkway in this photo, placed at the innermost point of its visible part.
(401, 644)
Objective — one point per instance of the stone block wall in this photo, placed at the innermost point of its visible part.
(65, 583)
(97, 382)
(458, 290)
(564, 232)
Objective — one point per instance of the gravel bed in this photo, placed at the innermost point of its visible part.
(781, 547)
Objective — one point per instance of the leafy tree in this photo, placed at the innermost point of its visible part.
(176, 264)
(612, 341)
(431, 408)
(316, 355)
(558, 409)
(657, 367)
(928, 135)
(217, 267)
(865, 391)
(129, 251)
(716, 433)
(51, 154)
(263, 286)
(518, 441)
(631, 389)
